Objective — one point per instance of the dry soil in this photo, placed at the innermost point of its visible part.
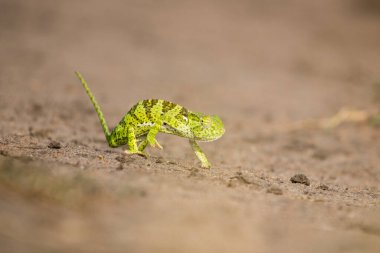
(262, 66)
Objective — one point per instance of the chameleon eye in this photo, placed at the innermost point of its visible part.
(206, 122)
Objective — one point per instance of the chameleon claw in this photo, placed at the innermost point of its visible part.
(155, 144)
(158, 145)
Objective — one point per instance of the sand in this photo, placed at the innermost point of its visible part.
(267, 68)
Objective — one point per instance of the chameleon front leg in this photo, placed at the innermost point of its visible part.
(152, 139)
(201, 156)
(142, 145)
(132, 143)
(151, 136)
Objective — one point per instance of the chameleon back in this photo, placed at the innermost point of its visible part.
(172, 119)
(147, 113)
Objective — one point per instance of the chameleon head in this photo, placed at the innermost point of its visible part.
(205, 127)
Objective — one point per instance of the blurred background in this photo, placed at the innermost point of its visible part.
(255, 63)
(291, 58)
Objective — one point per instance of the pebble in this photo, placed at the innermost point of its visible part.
(274, 190)
(323, 187)
(120, 167)
(54, 145)
(300, 179)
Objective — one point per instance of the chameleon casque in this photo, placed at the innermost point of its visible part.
(144, 120)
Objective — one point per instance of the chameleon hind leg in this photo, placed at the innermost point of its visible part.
(151, 136)
(201, 156)
(132, 144)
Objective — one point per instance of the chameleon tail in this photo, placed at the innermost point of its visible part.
(97, 108)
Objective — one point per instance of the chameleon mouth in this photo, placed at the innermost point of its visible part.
(211, 138)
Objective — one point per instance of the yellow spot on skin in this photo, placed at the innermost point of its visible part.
(156, 111)
(173, 112)
(140, 112)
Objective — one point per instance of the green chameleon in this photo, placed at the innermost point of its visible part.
(148, 117)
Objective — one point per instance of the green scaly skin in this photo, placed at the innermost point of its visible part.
(143, 121)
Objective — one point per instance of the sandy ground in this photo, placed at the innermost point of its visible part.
(262, 66)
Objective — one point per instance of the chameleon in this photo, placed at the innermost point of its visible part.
(140, 125)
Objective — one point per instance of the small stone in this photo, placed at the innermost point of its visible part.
(120, 167)
(239, 176)
(232, 183)
(121, 159)
(4, 153)
(193, 172)
(159, 160)
(54, 145)
(323, 187)
(320, 155)
(274, 190)
(125, 158)
(300, 179)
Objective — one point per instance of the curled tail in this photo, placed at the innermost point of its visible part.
(97, 108)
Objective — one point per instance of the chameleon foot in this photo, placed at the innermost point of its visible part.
(206, 165)
(140, 153)
(154, 143)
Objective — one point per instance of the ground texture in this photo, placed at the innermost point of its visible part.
(278, 184)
